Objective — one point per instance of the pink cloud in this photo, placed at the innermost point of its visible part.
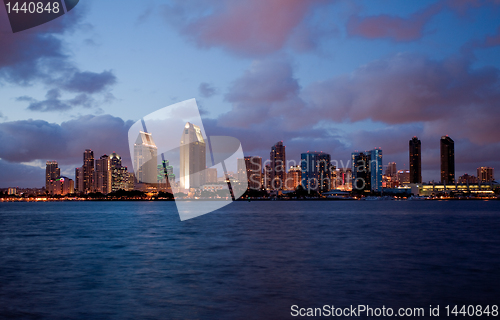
(250, 27)
(392, 27)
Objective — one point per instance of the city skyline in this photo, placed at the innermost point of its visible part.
(371, 75)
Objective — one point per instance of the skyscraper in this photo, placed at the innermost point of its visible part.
(415, 160)
(103, 177)
(253, 172)
(193, 157)
(315, 171)
(391, 170)
(447, 147)
(79, 180)
(117, 172)
(293, 177)
(485, 174)
(88, 171)
(278, 165)
(367, 170)
(145, 159)
(52, 172)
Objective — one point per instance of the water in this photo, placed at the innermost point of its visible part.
(250, 260)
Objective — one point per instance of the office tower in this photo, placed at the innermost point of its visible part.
(467, 179)
(103, 176)
(145, 159)
(88, 171)
(242, 169)
(253, 172)
(266, 177)
(79, 180)
(447, 147)
(415, 160)
(403, 177)
(61, 186)
(485, 174)
(315, 171)
(193, 157)
(52, 172)
(345, 177)
(361, 179)
(211, 176)
(278, 166)
(375, 169)
(293, 177)
(117, 172)
(391, 170)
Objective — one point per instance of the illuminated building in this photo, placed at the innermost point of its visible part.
(278, 166)
(242, 169)
(103, 176)
(415, 160)
(192, 157)
(266, 177)
(79, 180)
(61, 186)
(447, 148)
(52, 172)
(315, 171)
(391, 170)
(403, 177)
(467, 179)
(293, 177)
(211, 176)
(367, 170)
(485, 174)
(88, 171)
(253, 172)
(145, 159)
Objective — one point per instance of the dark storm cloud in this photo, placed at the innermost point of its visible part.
(38, 55)
(28, 140)
(20, 175)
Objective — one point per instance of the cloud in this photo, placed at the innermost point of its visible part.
(89, 82)
(493, 41)
(53, 102)
(20, 175)
(243, 27)
(206, 90)
(392, 27)
(28, 140)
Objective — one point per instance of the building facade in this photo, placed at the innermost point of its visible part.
(52, 172)
(103, 175)
(316, 171)
(192, 157)
(278, 166)
(88, 171)
(145, 159)
(485, 174)
(447, 148)
(415, 160)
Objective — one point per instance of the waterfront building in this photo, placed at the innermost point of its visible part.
(88, 171)
(52, 172)
(192, 157)
(293, 177)
(315, 171)
(415, 160)
(253, 174)
(103, 176)
(485, 174)
(145, 159)
(278, 166)
(61, 186)
(367, 170)
(447, 148)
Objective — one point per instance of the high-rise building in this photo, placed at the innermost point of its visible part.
(61, 186)
(253, 172)
(278, 166)
(367, 170)
(266, 177)
(242, 169)
(391, 170)
(293, 177)
(88, 171)
(361, 179)
(193, 157)
(485, 174)
(145, 159)
(103, 175)
(467, 179)
(447, 148)
(79, 180)
(211, 176)
(415, 160)
(315, 171)
(118, 172)
(52, 172)
(403, 177)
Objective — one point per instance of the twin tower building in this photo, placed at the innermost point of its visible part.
(192, 154)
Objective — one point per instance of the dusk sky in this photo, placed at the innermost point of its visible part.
(332, 76)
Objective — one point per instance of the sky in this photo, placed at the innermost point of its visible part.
(319, 75)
